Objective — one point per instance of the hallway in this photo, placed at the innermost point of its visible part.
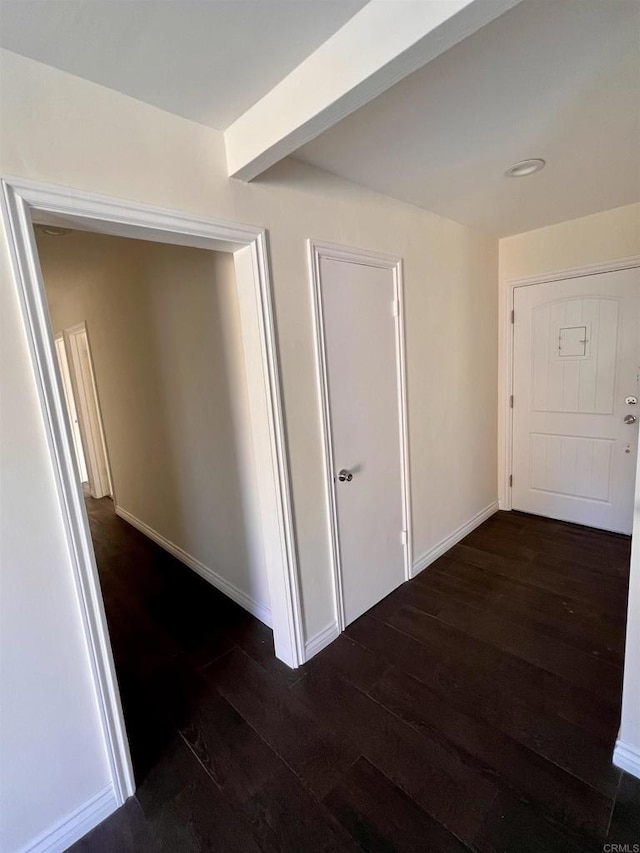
(475, 708)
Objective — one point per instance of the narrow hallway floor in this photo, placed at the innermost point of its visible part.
(475, 708)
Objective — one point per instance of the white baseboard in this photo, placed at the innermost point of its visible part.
(320, 640)
(442, 547)
(71, 828)
(255, 608)
(627, 758)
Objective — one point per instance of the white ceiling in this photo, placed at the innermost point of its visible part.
(206, 60)
(557, 79)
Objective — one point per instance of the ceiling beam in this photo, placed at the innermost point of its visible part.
(383, 43)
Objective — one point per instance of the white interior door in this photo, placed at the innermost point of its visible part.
(575, 429)
(362, 360)
(71, 408)
(88, 410)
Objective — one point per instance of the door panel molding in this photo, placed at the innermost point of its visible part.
(316, 252)
(507, 367)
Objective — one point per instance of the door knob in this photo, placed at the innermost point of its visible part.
(345, 476)
(630, 419)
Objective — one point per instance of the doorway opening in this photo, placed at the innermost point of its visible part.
(256, 422)
(164, 386)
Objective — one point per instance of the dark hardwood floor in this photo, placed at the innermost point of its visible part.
(475, 708)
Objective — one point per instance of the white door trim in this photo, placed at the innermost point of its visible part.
(25, 202)
(91, 428)
(331, 251)
(508, 336)
(65, 370)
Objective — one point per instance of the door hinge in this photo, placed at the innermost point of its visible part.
(510, 481)
(403, 537)
(511, 402)
(513, 315)
(395, 308)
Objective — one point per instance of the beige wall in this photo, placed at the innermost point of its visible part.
(164, 328)
(67, 131)
(595, 239)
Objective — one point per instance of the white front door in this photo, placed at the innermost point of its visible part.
(358, 304)
(575, 422)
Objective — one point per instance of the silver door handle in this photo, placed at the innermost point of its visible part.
(630, 419)
(345, 476)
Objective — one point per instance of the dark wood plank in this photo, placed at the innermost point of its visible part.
(513, 827)
(382, 819)
(186, 812)
(131, 627)
(433, 775)
(258, 645)
(283, 814)
(154, 706)
(360, 666)
(508, 699)
(552, 644)
(585, 671)
(507, 544)
(601, 551)
(294, 731)
(437, 593)
(487, 672)
(125, 831)
(458, 578)
(625, 821)
(550, 573)
(502, 758)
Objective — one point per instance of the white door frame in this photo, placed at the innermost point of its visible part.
(507, 371)
(86, 399)
(330, 251)
(25, 202)
(65, 370)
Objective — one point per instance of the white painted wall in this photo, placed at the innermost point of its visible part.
(602, 237)
(629, 736)
(166, 341)
(65, 130)
(52, 757)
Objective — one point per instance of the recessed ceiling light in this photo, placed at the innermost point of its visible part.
(53, 230)
(524, 168)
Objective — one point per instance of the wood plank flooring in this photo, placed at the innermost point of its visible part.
(474, 709)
